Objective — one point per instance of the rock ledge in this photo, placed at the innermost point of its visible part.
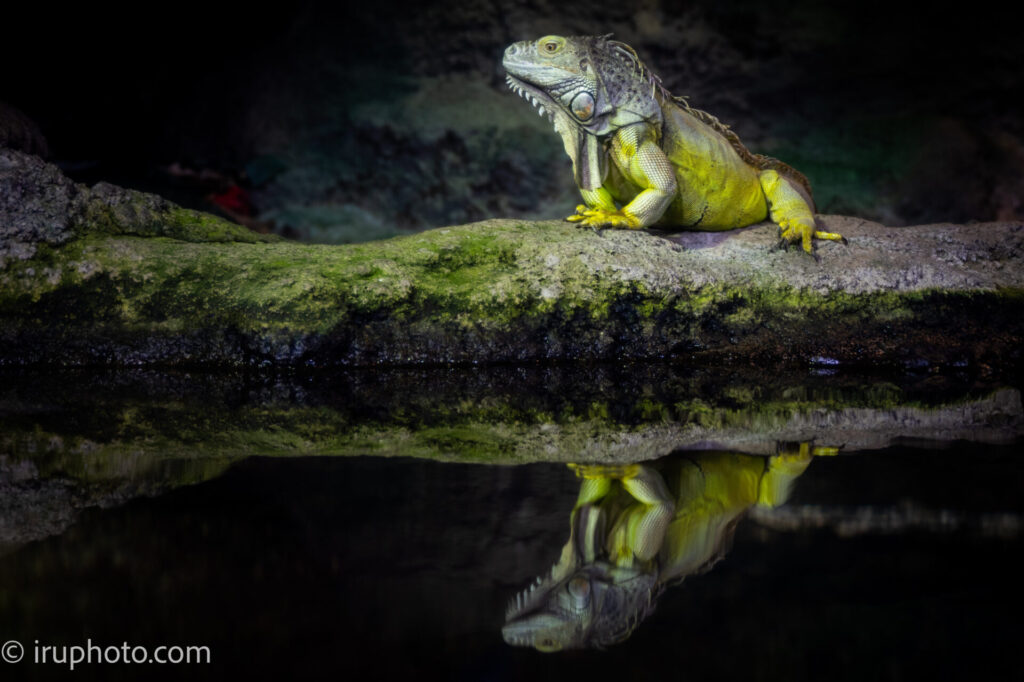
(114, 277)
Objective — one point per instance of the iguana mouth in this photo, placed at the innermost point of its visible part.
(534, 95)
(529, 598)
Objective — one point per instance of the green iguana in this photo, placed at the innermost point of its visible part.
(671, 165)
(635, 530)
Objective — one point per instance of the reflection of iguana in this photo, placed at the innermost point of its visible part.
(670, 165)
(633, 531)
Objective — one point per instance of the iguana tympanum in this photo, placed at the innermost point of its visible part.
(634, 144)
(638, 528)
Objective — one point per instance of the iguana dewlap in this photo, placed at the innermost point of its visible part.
(634, 145)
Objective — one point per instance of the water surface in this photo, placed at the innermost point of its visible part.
(395, 567)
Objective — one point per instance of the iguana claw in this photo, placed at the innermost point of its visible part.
(792, 231)
(804, 450)
(598, 217)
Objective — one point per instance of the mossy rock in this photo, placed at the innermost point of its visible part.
(112, 277)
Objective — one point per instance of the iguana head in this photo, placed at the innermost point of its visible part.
(598, 84)
(594, 606)
(552, 614)
(589, 86)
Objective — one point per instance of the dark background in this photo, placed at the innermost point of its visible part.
(348, 123)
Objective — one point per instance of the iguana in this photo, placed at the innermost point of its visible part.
(633, 143)
(636, 529)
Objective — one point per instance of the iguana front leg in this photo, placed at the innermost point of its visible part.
(789, 209)
(635, 152)
(585, 523)
(640, 531)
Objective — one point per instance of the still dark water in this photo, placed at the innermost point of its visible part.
(898, 564)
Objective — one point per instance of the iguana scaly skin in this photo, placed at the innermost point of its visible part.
(636, 529)
(634, 145)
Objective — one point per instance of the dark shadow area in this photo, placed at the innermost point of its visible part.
(696, 240)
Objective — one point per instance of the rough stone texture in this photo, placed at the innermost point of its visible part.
(145, 282)
(37, 204)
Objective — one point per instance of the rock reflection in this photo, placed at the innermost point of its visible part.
(638, 528)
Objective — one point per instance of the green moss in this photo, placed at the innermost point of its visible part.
(119, 211)
(491, 291)
(194, 226)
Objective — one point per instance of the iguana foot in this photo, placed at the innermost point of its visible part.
(793, 231)
(601, 218)
(804, 451)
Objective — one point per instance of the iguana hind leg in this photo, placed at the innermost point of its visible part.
(785, 467)
(645, 524)
(790, 210)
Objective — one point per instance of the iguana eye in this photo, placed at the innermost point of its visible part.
(550, 45)
(583, 106)
(579, 589)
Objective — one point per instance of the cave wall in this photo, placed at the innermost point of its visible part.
(347, 124)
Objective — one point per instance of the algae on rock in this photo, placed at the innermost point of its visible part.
(114, 277)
